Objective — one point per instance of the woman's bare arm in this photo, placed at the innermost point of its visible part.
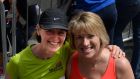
(123, 69)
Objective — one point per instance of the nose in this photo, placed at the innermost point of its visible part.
(85, 41)
(55, 37)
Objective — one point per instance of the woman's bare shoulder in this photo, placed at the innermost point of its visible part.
(123, 68)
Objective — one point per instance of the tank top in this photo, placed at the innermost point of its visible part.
(110, 72)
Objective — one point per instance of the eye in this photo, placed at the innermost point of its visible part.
(78, 37)
(90, 36)
(49, 32)
(62, 32)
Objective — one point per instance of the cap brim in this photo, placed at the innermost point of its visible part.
(54, 27)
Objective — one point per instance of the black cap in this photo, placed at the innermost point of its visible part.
(53, 18)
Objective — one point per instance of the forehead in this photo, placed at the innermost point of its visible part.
(84, 32)
(81, 28)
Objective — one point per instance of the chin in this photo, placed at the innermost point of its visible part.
(54, 49)
(88, 54)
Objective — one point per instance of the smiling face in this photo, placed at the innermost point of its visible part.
(87, 33)
(87, 44)
(52, 39)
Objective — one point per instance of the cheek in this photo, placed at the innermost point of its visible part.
(63, 38)
(43, 37)
(97, 43)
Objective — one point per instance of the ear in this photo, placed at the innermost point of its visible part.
(38, 29)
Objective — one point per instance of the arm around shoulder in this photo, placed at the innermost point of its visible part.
(123, 69)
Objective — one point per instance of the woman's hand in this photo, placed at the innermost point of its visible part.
(116, 51)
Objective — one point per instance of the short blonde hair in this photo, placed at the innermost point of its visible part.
(88, 22)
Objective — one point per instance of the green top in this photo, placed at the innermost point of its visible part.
(25, 65)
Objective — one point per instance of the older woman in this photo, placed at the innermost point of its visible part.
(92, 59)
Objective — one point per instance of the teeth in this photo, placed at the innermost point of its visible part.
(53, 43)
(87, 49)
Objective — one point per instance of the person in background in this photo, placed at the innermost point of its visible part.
(129, 11)
(91, 58)
(25, 23)
(47, 58)
(106, 9)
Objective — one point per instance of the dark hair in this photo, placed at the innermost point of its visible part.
(37, 36)
(22, 8)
